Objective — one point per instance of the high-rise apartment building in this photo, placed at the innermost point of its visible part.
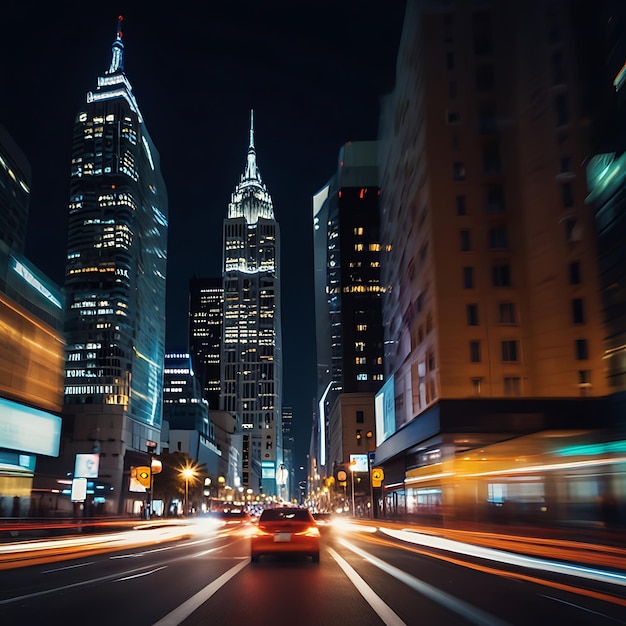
(251, 362)
(491, 311)
(115, 286)
(348, 300)
(206, 301)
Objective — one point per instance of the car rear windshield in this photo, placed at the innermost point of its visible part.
(287, 515)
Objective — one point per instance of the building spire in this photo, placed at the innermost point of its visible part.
(251, 129)
(252, 172)
(117, 60)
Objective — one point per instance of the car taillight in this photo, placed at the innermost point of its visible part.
(259, 531)
(311, 531)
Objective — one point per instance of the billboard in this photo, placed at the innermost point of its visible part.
(25, 429)
(86, 466)
(385, 408)
(358, 463)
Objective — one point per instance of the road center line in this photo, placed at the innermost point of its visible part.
(189, 606)
(384, 611)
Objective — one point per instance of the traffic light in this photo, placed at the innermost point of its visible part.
(341, 473)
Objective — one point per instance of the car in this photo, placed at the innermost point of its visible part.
(285, 530)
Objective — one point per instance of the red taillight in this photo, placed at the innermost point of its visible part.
(259, 531)
(311, 531)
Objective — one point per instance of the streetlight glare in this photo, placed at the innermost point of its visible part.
(188, 472)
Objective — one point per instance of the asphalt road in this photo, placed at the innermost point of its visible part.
(367, 575)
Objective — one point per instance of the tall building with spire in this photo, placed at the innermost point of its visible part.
(251, 362)
(115, 287)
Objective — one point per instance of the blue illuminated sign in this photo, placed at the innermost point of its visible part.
(30, 430)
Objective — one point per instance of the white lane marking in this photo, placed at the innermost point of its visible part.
(465, 610)
(384, 611)
(152, 571)
(189, 606)
(204, 552)
(511, 558)
(582, 608)
(81, 583)
(60, 569)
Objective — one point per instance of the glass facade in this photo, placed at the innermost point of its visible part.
(116, 268)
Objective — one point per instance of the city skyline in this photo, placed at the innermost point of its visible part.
(313, 86)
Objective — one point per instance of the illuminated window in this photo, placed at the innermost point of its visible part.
(358, 230)
(361, 327)
(361, 376)
(358, 247)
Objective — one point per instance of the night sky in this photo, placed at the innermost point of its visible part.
(313, 71)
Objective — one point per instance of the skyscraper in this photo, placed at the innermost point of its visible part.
(251, 363)
(206, 301)
(348, 302)
(115, 285)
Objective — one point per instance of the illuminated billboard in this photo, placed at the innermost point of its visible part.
(385, 408)
(86, 466)
(26, 429)
(358, 463)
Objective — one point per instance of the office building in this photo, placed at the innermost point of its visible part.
(115, 289)
(348, 303)
(206, 301)
(187, 414)
(251, 361)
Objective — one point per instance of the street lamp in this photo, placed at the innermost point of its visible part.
(187, 473)
(352, 470)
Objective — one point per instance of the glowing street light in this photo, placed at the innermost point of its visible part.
(188, 473)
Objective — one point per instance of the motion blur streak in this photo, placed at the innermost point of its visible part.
(596, 554)
(614, 578)
(384, 611)
(465, 610)
(26, 553)
(603, 597)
